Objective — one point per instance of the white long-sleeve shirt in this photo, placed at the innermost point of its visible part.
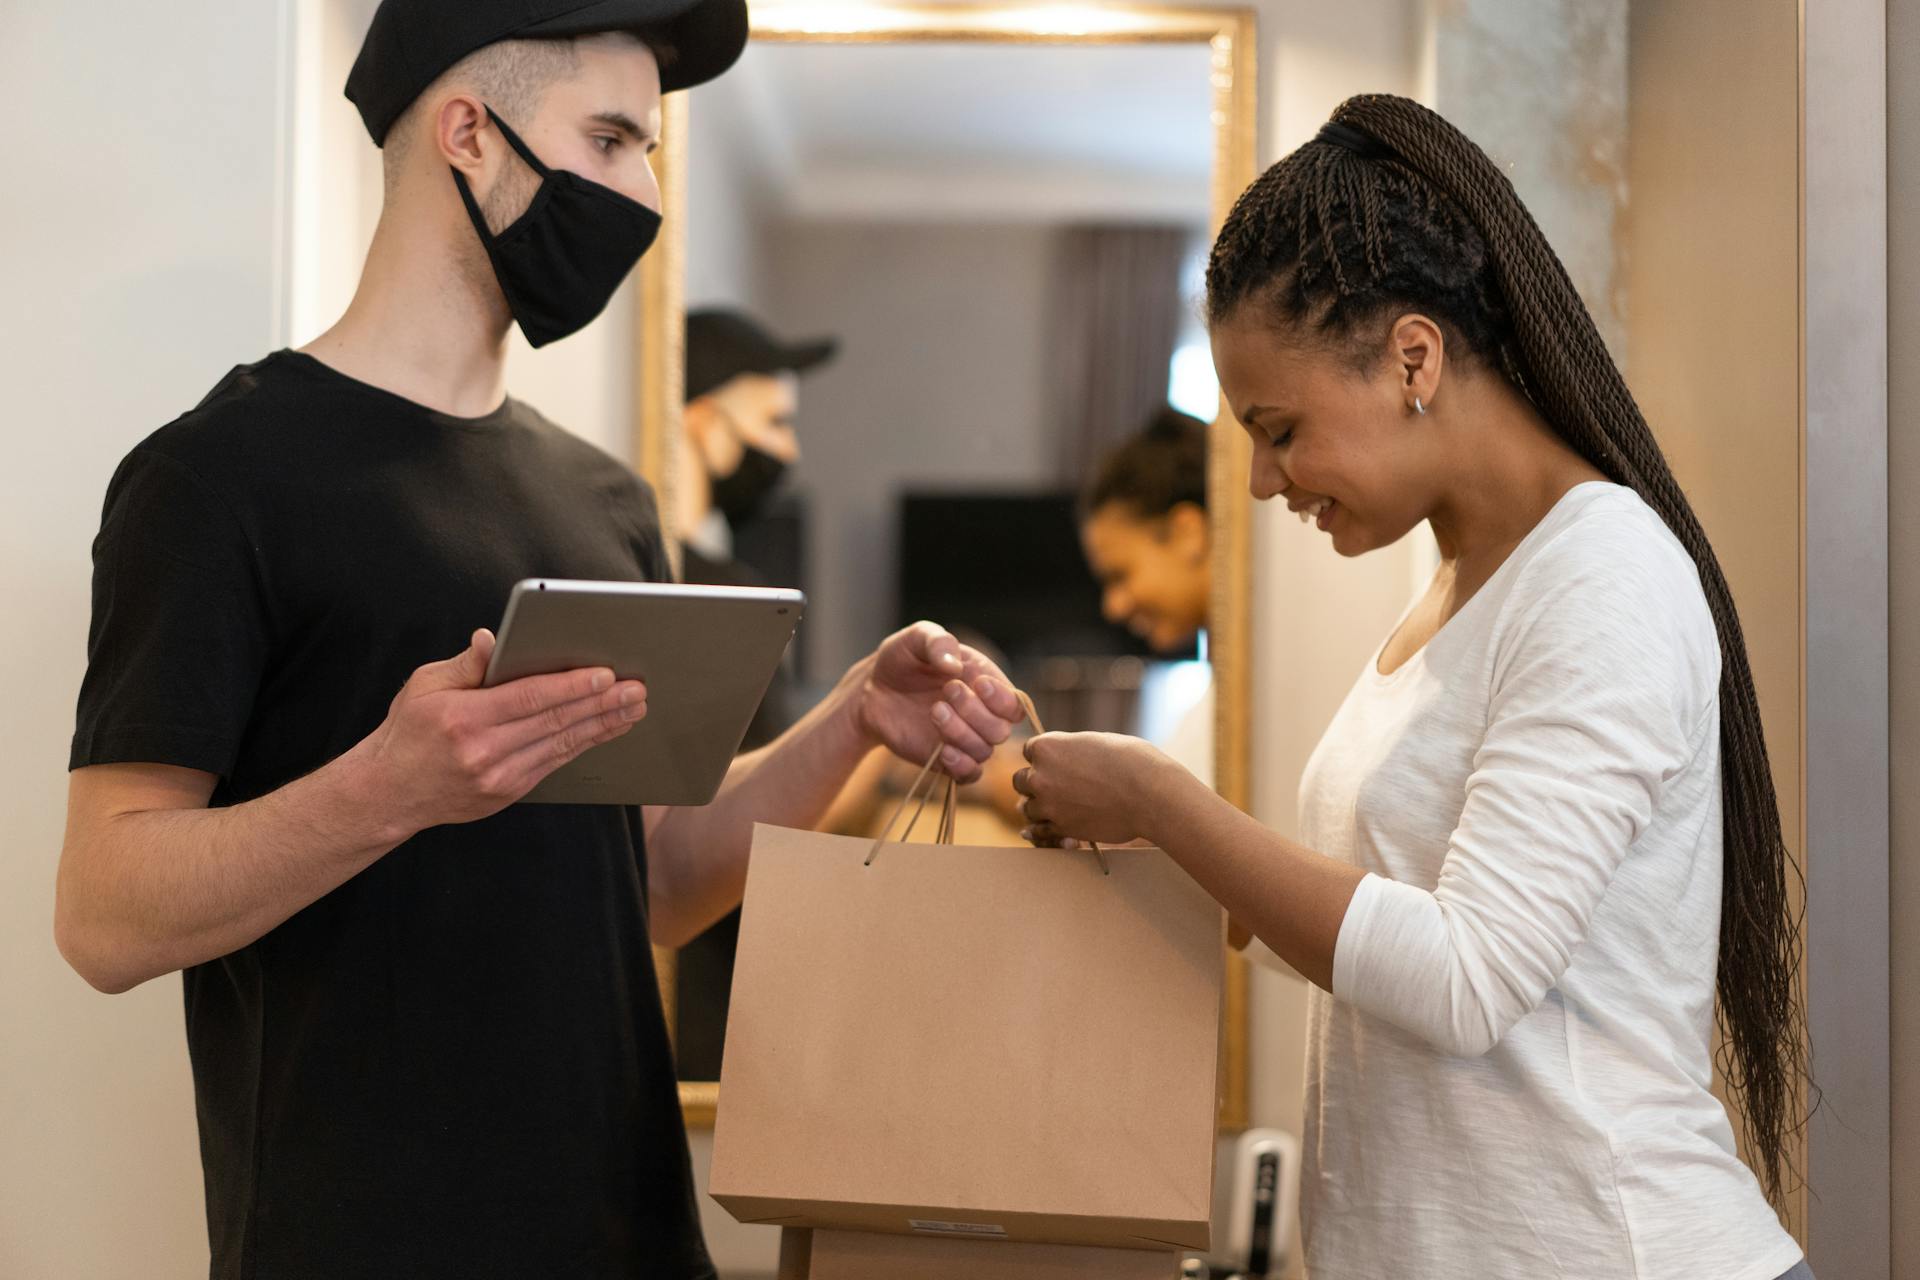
(1511, 1077)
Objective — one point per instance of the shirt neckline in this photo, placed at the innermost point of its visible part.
(1518, 555)
(498, 416)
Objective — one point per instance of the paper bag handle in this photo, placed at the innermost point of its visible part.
(922, 789)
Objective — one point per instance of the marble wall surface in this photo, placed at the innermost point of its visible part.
(1541, 85)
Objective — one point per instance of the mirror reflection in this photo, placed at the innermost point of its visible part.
(945, 360)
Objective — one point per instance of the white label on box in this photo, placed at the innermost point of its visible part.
(958, 1228)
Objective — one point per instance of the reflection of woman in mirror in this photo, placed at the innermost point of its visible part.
(1144, 528)
(1540, 833)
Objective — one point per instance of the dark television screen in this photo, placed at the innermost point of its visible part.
(1008, 565)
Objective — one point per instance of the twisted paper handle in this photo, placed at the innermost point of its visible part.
(922, 789)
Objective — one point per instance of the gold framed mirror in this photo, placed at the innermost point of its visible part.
(1221, 44)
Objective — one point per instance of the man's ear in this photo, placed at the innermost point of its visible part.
(1418, 351)
(698, 416)
(458, 123)
(709, 434)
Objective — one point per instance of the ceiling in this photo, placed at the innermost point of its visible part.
(1121, 131)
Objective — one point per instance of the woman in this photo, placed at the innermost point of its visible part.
(1542, 821)
(1144, 528)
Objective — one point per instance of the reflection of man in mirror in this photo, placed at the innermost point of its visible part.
(423, 1019)
(742, 401)
(1144, 527)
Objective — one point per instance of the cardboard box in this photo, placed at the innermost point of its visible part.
(796, 1254)
(853, 1255)
(1006, 1043)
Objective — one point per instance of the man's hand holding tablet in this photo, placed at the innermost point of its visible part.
(456, 751)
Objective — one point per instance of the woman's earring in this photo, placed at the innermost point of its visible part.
(1418, 407)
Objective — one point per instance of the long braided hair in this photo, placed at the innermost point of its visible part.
(1391, 209)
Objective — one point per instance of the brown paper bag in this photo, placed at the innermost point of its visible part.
(994, 1043)
(857, 1255)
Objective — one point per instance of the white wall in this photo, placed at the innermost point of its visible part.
(727, 196)
(142, 227)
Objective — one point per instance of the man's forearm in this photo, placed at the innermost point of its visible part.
(146, 892)
(697, 858)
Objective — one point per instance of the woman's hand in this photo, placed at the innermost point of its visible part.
(1100, 787)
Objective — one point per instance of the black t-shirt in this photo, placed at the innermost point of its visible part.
(455, 1064)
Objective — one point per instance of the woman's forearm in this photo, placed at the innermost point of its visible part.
(1290, 897)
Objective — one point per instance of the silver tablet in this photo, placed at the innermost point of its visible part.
(707, 655)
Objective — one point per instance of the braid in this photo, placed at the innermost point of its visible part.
(1333, 242)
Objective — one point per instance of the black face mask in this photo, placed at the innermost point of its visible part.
(743, 495)
(561, 260)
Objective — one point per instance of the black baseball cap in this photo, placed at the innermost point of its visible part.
(722, 345)
(412, 41)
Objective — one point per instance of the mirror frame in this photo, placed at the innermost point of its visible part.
(660, 331)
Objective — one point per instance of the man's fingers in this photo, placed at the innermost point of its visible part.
(933, 645)
(964, 769)
(960, 736)
(994, 689)
(534, 696)
(464, 670)
(546, 753)
(968, 706)
(470, 666)
(624, 702)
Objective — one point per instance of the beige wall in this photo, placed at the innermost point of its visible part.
(1903, 450)
(1730, 248)
(1713, 322)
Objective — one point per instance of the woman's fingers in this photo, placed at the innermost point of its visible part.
(1044, 835)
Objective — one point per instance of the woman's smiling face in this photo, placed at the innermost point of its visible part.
(1341, 446)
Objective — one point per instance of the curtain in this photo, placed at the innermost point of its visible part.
(1114, 318)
